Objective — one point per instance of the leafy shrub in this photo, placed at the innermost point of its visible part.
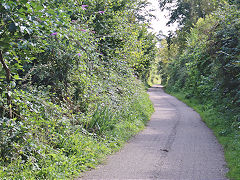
(68, 84)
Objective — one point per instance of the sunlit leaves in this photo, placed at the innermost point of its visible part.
(207, 67)
(67, 60)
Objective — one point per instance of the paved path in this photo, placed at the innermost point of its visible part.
(176, 145)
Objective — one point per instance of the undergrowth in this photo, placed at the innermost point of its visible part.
(227, 134)
(62, 145)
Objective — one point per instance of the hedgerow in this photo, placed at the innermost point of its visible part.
(70, 84)
(204, 69)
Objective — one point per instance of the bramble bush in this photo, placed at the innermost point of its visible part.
(70, 84)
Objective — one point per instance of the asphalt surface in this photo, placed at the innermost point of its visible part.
(176, 145)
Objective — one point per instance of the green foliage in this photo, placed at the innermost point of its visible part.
(51, 143)
(103, 119)
(69, 94)
(208, 69)
(187, 12)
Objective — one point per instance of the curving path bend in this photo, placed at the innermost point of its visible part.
(176, 145)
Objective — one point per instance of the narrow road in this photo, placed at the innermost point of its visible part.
(175, 145)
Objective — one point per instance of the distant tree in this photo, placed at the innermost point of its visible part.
(186, 13)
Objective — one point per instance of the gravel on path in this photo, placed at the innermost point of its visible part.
(175, 145)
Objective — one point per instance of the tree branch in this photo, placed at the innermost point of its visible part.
(8, 79)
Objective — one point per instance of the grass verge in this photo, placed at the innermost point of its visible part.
(227, 136)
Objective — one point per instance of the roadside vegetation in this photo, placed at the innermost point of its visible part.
(199, 64)
(72, 82)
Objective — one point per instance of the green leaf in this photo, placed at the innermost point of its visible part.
(38, 8)
(24, 1)
(51, 11)
(16, 77)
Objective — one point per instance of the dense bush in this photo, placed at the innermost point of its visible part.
(208, 69)
(68, 83)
